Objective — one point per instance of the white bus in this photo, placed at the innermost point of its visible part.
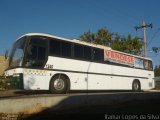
(45, 62)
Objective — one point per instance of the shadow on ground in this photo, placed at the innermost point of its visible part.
(26, 93)
(148, 108)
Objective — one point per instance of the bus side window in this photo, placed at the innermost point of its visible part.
(87, 53)
(145, 62)
(139, 63)
(41, 53)
(98, 55)
(78, 51)
(32, 52)
(150, 66)
(66, 49)
(55, 47)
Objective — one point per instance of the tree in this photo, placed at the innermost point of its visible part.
(88, 37)
(103, 37)
(157, 71)
(116, 43)
(121, 43)
(127, 44)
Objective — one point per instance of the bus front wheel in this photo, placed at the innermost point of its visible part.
(136, 86)
(58, 84)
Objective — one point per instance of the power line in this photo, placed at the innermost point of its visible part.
(153, 37)
(149, 33)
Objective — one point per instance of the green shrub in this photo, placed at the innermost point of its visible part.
(2, 82)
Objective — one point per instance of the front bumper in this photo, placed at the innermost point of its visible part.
(15, 81)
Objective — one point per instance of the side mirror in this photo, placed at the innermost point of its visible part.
(6, 54)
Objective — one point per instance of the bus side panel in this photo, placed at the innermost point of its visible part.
(39, 82)
(99, 77)
(76, 70)
(78, 81)
(145, 77)
(121, 83)
(99, 82)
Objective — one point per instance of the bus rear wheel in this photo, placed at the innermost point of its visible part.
(58, 84)
(136, 86)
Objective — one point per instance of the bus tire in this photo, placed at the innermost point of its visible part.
(59, 84)
(136, 86)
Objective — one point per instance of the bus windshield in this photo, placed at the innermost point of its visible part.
(36, 52)
(17, 54)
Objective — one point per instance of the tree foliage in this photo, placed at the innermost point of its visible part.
(157, 71)
(104, 37)
(88, 37)
(156, 49)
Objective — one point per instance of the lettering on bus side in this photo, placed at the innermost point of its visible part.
(118, 57)
(49, 66)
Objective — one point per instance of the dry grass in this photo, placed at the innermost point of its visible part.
(3, 64)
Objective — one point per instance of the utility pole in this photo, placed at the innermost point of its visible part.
(144, 27)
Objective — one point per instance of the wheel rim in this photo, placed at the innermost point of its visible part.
(136, 86)
(59, 84)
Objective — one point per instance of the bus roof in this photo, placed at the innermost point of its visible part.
(80, 42)
(70, 40)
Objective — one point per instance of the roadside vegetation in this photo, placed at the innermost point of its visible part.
(103, 36)
(157, 77)
(2, 82)
(3, 65)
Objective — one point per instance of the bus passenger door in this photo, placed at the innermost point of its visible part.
(35, 59)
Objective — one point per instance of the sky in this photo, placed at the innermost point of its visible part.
(71, 18)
